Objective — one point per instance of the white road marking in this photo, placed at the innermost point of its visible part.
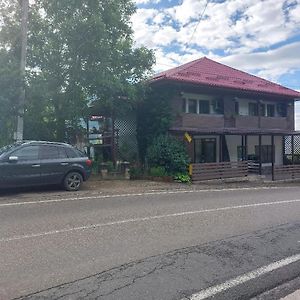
(133, 195)
(144, 219)
(214, 290)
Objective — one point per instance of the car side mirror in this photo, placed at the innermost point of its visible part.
(13, 159)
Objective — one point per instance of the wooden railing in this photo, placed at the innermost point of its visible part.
(206, 171)
(286, 172)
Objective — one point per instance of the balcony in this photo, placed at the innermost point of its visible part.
(199, 121)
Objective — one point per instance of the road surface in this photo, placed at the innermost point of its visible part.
(230, 244)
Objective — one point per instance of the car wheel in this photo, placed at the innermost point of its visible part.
(73, 181)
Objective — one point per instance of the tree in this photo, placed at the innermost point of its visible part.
(154, 116)
(78, 51)
(9, 93)
(84, 50)
(168, 152)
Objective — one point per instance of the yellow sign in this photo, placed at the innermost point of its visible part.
(190, 169)
(188, 137)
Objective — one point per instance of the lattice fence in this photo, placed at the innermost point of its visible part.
(289, 147)
(127, 143)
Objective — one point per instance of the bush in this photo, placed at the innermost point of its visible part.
(157, 171)
(183, 178)
(136, 172)
(168, 152)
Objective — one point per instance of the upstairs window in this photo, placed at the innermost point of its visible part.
(184, 105)
(253, 109)
(203, 107)
(270, 110)
(192, 106)
(237, 108)
(262, 111)
(282, 109)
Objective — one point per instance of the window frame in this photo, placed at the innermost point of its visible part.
(20, 158)
(207, 111)
(255, 111)
(272, 115)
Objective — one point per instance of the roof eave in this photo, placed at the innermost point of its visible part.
(295, 97)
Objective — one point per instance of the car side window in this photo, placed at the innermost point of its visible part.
(52, 152)
(27, 153)
(71, 153)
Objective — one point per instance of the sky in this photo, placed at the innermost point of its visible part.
(261, 37)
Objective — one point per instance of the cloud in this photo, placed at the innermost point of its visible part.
(255, 36)
(272, 63)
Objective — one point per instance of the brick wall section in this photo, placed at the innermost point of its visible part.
(229, 112)
(246, 122)
(202, 121)
(291, 117)
(275, 123)
(229, 119)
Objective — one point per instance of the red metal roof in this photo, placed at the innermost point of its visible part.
(207, 72)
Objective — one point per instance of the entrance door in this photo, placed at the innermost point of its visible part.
(205, 150)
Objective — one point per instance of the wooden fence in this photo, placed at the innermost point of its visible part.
(286, 172)
(221, 170)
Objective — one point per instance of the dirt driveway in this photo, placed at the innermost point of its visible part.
(96, 186)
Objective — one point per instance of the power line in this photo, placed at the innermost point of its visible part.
(200, 19)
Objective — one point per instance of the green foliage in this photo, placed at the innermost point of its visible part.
(10, 84)
(170, 153)
(110, 166)
(154, 116)
(77, 51)
(136, 172)
(157, 171)
(127, 153)
(183, 178)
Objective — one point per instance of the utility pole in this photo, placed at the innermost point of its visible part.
(21, 109)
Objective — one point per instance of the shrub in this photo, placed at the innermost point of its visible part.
(136, 172)
(184, 178)
(157, 171)
(168, 152)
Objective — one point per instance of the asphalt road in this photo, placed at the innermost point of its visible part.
(169, 245)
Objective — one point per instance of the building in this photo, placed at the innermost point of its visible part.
(229, 116)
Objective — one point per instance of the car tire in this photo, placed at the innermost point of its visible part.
(73, 181)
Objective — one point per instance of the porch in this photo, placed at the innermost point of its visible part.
(224, 154)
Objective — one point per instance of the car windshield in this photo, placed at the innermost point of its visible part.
(7, 147)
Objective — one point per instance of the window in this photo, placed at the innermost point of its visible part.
(237, 108)
(241, 150)
(71, 153)
(266, 153)
(262, 111)
(203, 107)
(253, 109)
(52, 152)
(27, 153)
(270, 110)
(282, 109)
(192, 106)
(183, 105)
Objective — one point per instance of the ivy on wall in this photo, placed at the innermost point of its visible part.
(154, 116)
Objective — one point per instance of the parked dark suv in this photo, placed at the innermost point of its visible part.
(43, 163)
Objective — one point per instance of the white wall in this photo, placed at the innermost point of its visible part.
(233, 141)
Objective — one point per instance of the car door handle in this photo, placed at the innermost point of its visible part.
(36, 166)
(64, 164)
